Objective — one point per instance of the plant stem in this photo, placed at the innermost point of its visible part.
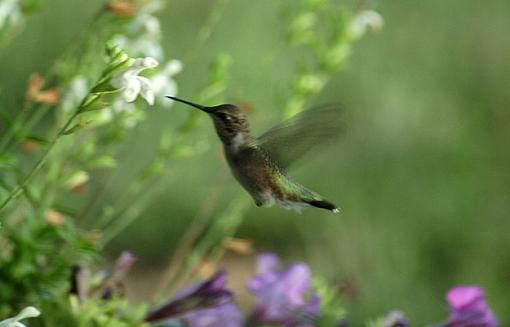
(197, 226)
(222, 228)
(207, 29)
(129, 215)
(16, 125)
(21, 186)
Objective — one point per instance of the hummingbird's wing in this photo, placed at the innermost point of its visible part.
(309, 129)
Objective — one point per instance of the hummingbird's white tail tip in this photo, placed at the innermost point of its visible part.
(336, 210)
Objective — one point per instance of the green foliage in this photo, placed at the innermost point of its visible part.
(36, 260)
(73, 126)
(332, 307)
(116, 312)
(40, 235)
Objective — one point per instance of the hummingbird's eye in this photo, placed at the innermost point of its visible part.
(224, 116)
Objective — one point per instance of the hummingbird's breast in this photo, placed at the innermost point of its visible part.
(255, 171)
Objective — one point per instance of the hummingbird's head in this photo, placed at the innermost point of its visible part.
(230, 122)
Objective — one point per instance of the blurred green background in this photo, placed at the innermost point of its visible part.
(422, 174)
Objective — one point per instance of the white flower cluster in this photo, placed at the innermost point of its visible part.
(143, 39)
(132, 84)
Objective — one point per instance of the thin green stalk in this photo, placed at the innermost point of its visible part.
(207, 29)
(39, 114)
(11, 33)
(223, 227)
(129, 214)
(125, 201)
(229, 231)
(54, 171)
(84, 215)
(34, 119)
(193, 232)
(16, 125)
(21, 186)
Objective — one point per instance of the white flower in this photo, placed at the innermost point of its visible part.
(28, 312)
(146, 47)
(134, 85)
(152, 26)
(153, 7)
(10, 13)
(143, 38)
(163, 83)
(364, 20)
(120, 40)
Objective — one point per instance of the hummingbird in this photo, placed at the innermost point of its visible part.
(260, 163)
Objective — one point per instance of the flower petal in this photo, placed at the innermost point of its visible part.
(152, 26)
(210, 293)
(280, 293)
(468, 308)
(28, 312)
(296, 281)
(463, 296)
(267, 263)
(146, 90)
(149, 62)
(225, 315)
(132, 88)
(173, 67)
(364, 20)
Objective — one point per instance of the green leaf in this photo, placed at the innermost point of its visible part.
(36, 138)
(7, 160)
(104, 87)
(81, 124)
(117, 67)
(91, 98)
(105, 161)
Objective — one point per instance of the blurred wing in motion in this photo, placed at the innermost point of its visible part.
(310, 129)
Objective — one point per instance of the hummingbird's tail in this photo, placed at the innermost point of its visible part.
(323, 204)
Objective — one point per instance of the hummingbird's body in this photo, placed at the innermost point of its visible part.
(253, 164)
(267, 183)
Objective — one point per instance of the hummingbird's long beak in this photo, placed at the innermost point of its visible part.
(189, 103)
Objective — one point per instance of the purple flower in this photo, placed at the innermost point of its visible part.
(224, 315)
(280, 293)
(468, 308)
(123, 264)
(211, 293)
(109, 284)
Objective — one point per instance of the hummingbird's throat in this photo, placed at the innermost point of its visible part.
(233, 142)
(238, 140)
